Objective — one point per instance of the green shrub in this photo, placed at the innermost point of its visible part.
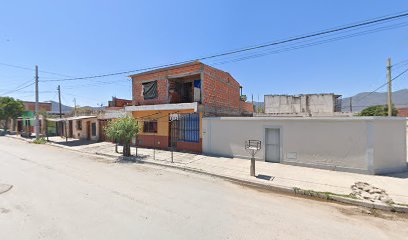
(40, 141)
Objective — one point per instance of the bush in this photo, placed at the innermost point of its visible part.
(378, 110)
(40, 141)
(122, 130)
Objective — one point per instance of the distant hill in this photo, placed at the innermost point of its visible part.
(363, 100)
(64, 108)
(68, 109)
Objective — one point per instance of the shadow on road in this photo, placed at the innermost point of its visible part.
(74, 143)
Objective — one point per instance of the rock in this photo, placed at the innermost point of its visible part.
(365, 191)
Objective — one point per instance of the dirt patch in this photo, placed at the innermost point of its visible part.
(365, 212)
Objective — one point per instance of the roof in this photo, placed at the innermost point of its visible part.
(70, 118)
(175, 67)
(167, 68)
(80, 117)
(311, 118)
(298, 95)
(163, 107)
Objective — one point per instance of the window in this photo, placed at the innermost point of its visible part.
(186, 128)
(150, 127)
(189, 128)
(93, 129)
(79, 125)
(149, 90)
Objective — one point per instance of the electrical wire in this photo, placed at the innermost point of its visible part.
(18, 89)
(317, 34)
(382, 85)
(32, 69)
(296, 47)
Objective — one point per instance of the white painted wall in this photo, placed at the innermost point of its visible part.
(295, 104)
(366, 145)
(82, 134)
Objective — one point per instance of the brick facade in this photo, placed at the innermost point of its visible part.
(119, 102)
(219, 95)
(43, 106)
(402, 112)
(220, 91)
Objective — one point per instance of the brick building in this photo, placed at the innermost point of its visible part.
(402, 112)
(26, 122)
(170, 102)
(119, 102)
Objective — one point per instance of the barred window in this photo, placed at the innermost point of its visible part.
(150, 127)
(187, 128)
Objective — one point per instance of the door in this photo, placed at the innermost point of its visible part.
(88, 130)
(102, 124)
(71, 133)
(272, 145)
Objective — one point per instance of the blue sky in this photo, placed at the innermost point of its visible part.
(81, 38)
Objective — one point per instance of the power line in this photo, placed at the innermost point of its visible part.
(297, 46)
(18, 89)
(32, 69)
(317, 34)
(382, 85)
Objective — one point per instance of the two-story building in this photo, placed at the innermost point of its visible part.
(25, 124)
(169, 104)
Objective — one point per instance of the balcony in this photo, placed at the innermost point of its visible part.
(185, 89)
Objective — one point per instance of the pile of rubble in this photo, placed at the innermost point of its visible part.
(365, 191)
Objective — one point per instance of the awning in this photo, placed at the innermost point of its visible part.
(80, 117)
(68, 119)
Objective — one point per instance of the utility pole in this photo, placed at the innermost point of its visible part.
(37, 120)
(75, 113)
(351, 104)
(64, 125)
(253, 102)
(258, 103)
(389, 88)
(59, 101)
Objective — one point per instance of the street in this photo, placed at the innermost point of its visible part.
(62, 194)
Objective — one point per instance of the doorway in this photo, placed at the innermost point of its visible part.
(70, 129)
(88, 130)
(272, 145)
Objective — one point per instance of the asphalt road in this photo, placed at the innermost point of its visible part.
(60, 194)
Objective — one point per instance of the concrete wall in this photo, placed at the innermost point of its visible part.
(364, 145)
(307, 103)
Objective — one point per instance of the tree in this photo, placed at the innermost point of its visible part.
(10, 109)
(122, 130)
(378, 110)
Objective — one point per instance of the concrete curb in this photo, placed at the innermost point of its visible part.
(282, 189)
(274, 188)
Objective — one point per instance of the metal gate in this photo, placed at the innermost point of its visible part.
(184, 128)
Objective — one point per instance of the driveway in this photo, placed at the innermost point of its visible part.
(61, 194)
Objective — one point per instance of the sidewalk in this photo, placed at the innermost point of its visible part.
(269, 174)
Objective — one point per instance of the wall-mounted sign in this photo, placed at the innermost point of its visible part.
(174, 116)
